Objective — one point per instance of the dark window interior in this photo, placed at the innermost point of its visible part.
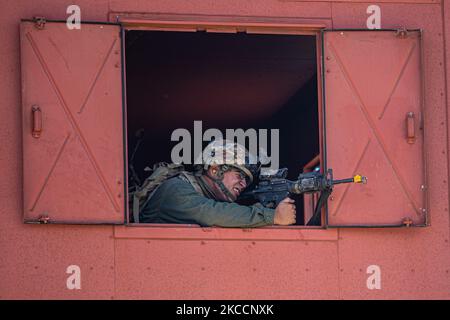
(226, 81)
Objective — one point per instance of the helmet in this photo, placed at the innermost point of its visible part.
(229, 154)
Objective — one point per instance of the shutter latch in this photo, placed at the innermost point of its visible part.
(410, 127)
(39, 22)
(37, 121)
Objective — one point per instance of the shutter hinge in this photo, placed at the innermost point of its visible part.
(402, 33)
(39, 22)
(44, 219)
(407, 222)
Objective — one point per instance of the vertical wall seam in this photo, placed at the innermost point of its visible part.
(109, 11)
(339, 264)
(446, 104)
(331, 12)
(114, 263)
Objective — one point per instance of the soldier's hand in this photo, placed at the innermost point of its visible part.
(285, 212)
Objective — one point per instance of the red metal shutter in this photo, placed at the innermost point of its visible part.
(373, 126)
(73, 145)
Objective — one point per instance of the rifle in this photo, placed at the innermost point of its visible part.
(273, 188)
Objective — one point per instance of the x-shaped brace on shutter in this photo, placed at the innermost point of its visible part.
(371, 123)
(72, 120)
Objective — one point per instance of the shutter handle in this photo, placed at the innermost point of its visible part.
(37, 121)
(410, 125)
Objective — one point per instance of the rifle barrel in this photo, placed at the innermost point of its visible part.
(349, 180)
(356, 179)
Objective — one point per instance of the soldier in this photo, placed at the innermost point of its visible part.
(207, 197)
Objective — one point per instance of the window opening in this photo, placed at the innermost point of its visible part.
(226, 81)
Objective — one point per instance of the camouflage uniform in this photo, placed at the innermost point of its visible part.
(186, 199)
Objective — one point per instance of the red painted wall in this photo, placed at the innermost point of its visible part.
(153, 263)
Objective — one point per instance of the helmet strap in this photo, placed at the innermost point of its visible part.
(224, 189)
(219, 182)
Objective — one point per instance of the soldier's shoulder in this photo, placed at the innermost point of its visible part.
(177, 183)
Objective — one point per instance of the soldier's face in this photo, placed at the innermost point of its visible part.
(235, 182)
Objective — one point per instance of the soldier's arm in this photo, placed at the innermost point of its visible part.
(180, 201)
